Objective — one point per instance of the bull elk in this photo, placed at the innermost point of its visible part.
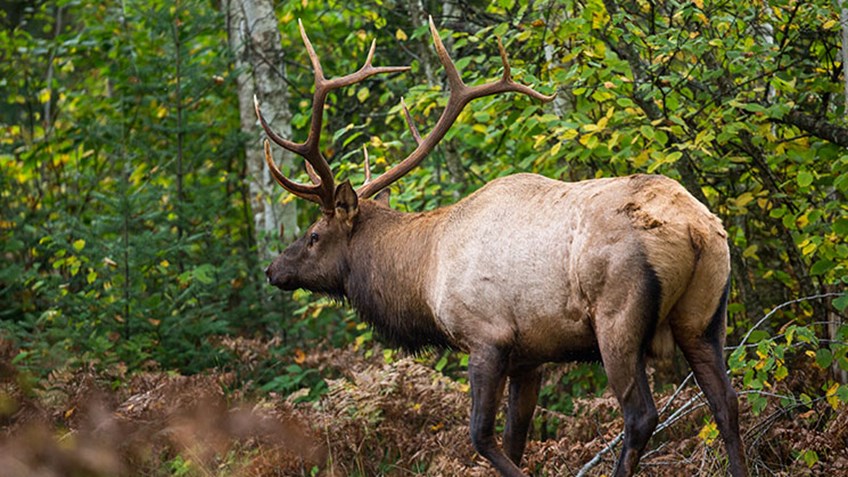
(526, 270)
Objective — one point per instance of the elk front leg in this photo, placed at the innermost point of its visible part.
(487, 374)
(523, 394)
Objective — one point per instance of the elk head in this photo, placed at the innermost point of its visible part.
(318, 260)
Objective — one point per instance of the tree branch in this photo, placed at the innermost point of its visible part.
(818, 127)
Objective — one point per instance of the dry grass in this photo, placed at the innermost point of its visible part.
(398, 419)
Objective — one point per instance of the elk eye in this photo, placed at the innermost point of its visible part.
(313, 237)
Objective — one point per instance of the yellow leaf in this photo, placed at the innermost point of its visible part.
(79, 244)
(744, 199)
(751, 251)
(480, 128)
(708, 433)
(401, 35)
(802, 221)
(556, 148)
(362, 94)
(829, 24)
(603, 122)
(809, 248)
(831, 391)
(831, 396)
(568, 134)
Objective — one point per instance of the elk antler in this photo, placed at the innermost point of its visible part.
(460, 95)
(322, 190)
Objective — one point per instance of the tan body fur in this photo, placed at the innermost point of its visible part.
(526, 261)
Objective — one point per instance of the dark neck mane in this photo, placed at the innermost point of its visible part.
(388, 263)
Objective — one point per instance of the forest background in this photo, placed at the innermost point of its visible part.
(137, 217)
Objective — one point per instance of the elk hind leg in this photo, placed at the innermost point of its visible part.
(629, 382)
(623, 337)
(705, 353)
(523, 395)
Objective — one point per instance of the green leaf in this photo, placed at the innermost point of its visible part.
(840, 226)
(841, 183)
(842, 393)
(841, 303)
(204, 273)
(810, 457)
(822, 266)
(79, 244)
(443, 361)
(758, 335)
(804, 178)
(824, 358)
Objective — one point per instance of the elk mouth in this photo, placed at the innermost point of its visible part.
(279, 280)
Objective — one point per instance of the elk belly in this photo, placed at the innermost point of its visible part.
(502, 272)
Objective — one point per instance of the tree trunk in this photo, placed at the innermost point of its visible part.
(255, 41)
(843, 22)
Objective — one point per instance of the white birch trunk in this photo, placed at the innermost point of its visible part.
(255, 41)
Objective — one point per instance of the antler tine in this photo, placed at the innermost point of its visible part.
(289, 145)
(367, 165)
(410, 122)
(306, 192)
(460, 96)
(507, 75)
(454, 79)
(366, 71)
(316, 63)
(313, 176)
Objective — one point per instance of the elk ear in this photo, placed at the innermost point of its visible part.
(382, 197)
(347, 203)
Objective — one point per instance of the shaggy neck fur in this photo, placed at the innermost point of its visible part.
(388, 269)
